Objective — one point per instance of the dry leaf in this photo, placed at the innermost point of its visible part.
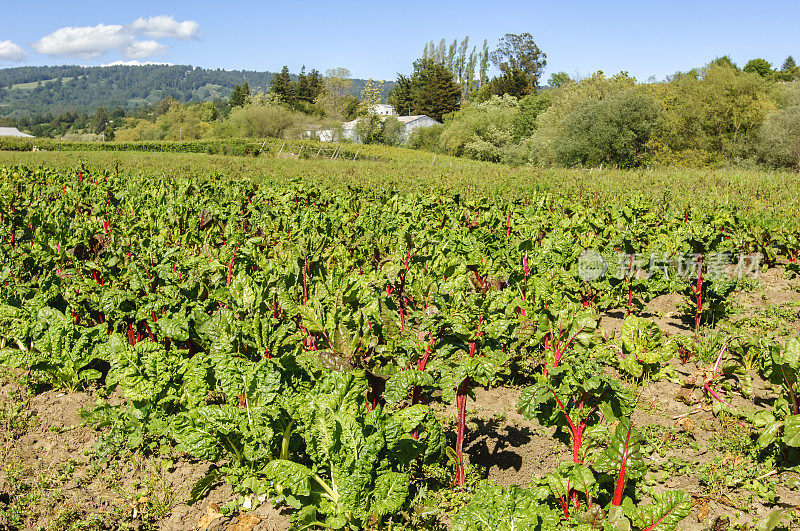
(702, 512)
(685, 424)
(727, 501)
(212, 513)
(687, 397)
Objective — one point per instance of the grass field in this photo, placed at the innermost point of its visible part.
(237, 342)
(32, 85)
(412, 170)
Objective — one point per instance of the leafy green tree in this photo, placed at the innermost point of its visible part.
(481, 131)
(100, 120)
(350, 107)
(530, 107)
(762, 67)
(451, 56)
(725, 60)
(392, 131)
(514, 83)
(283, 86)
(520, 52)
(163, 106)
(483, 68)
(426, 138)
(368, 128)
(559, 79)
(259, 121)
(468, 83)
(334, 92)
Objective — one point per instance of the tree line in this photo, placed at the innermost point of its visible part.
(709, 116)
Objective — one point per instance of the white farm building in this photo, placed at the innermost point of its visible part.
(13, 131)
(383, 111)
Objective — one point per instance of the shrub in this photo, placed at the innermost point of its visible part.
(613, 130)
(426, 138)
(779, 138)
(480, 131)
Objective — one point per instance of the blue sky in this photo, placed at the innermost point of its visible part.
(375, 40)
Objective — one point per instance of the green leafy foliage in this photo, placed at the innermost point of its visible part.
(506, 509)
(293, 335)
(575, 397)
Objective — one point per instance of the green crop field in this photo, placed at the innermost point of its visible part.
(393, 338)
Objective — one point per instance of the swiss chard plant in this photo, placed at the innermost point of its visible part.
(641, 346)
(504, 509)
(782, 424)
(61, 354)
(575, 397)
(358, 462)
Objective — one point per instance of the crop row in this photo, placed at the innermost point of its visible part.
(298, 337)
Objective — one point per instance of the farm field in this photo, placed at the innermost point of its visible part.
(219, 342)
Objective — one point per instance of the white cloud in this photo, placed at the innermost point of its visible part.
(87, 41)
(11, 52)
(140, 49)
(92, 41)
(134, 62)
(162, 26)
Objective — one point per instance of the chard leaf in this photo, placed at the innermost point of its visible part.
(500, 509)
(791, 431)
(289, 475)
(390, 492)
(665, 513)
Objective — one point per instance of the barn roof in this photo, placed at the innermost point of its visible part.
(13, 131)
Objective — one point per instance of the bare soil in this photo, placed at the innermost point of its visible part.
(49, 476)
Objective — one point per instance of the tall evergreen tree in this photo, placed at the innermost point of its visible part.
(236, 97)
(402, 96)
(316, 84)
(435, 91)
(789, 70)
(239, 96)
(283, 86)
(431, 90)
(303, 89)
(514, 83)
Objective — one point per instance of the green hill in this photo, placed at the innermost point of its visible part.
(29, 90)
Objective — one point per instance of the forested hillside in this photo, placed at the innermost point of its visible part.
(54, 89)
